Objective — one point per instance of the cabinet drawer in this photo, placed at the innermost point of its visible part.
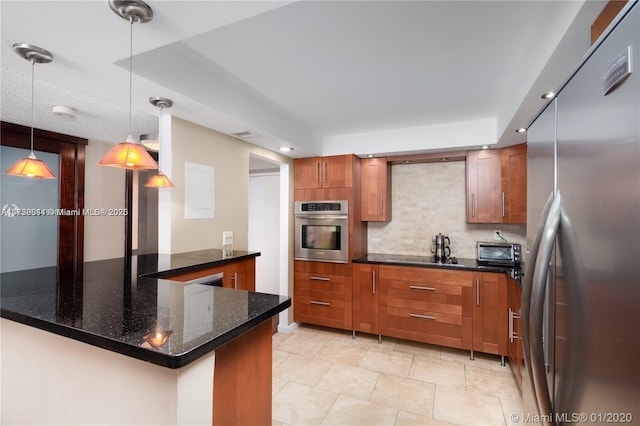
(426, 275)
(336, 287)
(404, 273)
(430, 297)
(426, 326)
(323, 311)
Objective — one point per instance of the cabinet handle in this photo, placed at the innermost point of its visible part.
(320, 279)
(315, 302)
(324, 172)
(510, 325)
(235, 280)
(503, 205)
(381, 205)
(473, 205)
(477, 291)
(417, 287)
(373, 282)
(429, 317)
(318, 172)
(512, 317)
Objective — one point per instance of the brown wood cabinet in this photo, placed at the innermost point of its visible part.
(484, 195)
(375, 190)
(323, 294)
(366, 291)
(516, 357)
(239, 275)
(323, 172)
(497, 185)
(513, 162)
(426, 305)
(490, 313)
(243, 379)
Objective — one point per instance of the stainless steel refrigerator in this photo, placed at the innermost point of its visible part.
(581, 291)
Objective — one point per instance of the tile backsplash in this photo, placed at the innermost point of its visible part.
(427, 199)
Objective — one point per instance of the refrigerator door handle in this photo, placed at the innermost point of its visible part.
(574, 362)
(526, 288)
(538, 287)
(526, 294)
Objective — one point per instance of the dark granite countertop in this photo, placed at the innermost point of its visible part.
(429, 262)
(118, 302)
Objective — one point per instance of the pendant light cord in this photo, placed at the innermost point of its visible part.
(33, 70)
(131, 19)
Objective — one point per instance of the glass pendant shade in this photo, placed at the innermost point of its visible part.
(159, 181)
(30, 167)
(129, 155)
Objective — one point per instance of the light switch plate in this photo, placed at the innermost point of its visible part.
(227, 238)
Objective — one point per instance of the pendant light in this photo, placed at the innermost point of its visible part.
(129, 154)
(160, 180)
(31, 166)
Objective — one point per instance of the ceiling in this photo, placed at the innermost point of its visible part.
(324, 77)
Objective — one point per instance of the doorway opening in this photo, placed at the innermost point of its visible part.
(269, 227)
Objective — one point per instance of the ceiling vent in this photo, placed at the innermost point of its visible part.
(246, 134)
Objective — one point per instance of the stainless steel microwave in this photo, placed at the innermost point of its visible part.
(499, 253)
(322, 231)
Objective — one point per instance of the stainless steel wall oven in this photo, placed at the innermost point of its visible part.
(322, 231)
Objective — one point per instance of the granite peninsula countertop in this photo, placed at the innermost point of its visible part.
(118, 302)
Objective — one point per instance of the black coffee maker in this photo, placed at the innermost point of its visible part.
(442, 251)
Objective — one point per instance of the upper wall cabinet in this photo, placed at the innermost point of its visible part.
(323, 172)
(375, 190)
(484, 199)
(497, 185)
(514, 183)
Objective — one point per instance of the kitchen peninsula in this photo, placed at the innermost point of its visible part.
(128, 343)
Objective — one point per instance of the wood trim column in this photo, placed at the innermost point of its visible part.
(242, 379)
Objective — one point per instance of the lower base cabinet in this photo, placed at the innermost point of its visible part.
(366, 293)
(426, 305)
(490, 313)
(454, 308)
(323, 294)
(239, 275)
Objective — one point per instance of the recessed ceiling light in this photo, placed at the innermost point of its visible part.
(521, 130)
(548, 95)
(485, 146)
(285, 149)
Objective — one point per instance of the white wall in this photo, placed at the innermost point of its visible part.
(264, 229)
(49, 379)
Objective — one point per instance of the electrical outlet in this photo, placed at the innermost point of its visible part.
(497, 235)
(227, 238)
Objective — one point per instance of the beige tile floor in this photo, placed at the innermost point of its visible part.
(322, 376)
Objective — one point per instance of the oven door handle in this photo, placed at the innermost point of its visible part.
(322, 217)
